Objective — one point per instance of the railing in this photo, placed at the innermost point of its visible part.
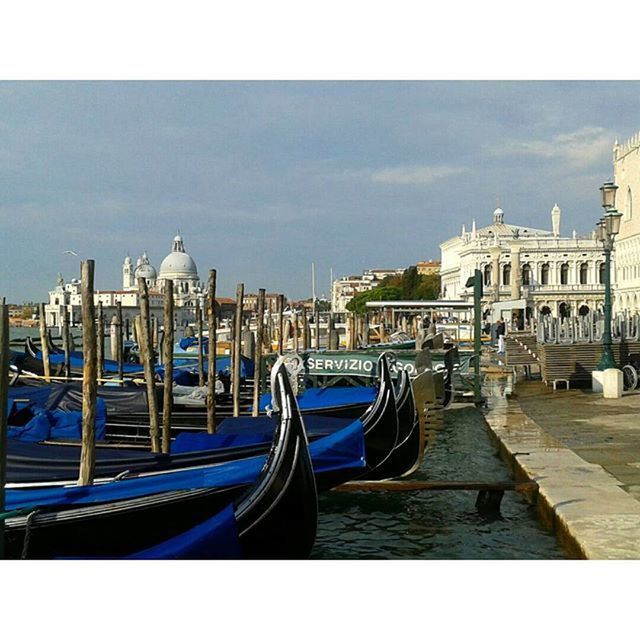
(588, 328)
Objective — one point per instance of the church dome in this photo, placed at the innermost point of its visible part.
(146, 271)
(178, 264)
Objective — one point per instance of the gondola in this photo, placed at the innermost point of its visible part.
(272, 516)
(236, 438)
(407, 454)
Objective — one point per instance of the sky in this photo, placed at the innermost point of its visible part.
(263, 178)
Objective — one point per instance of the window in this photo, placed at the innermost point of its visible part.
(506, 274)
(564, 274)
(601, 273)
(544, 273)
(584, 273)
(628, 205)
(487, 274)
(526, 275)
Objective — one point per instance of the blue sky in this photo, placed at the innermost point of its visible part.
(262, 178)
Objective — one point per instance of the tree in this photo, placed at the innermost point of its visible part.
(358, 303)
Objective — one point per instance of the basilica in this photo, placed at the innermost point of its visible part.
(178, 266)
(539, 271)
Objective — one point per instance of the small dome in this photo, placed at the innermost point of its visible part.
(146, 271)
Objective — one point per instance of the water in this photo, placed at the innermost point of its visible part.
(439, 524)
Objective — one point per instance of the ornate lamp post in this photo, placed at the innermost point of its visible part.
(607, 229)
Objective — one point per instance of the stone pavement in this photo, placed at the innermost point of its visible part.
(584, 452)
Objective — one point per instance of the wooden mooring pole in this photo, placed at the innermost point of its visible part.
(89, 375)
(167, 399)
(66, 343)
(237, 350)
(316, 322)
(119, 342)
(44, 345)
(280, 324)
(257, 369)
(305, 330)
(4, 402)
(211, 358)
(146, 351)
(100, 345)
(200, 346)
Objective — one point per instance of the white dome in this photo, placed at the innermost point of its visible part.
(178, 263)
(145, 271)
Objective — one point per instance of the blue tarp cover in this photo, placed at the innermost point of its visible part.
(57, 424)
(342, 450)
(321, 398)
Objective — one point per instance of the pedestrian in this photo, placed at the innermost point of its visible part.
(500, 331)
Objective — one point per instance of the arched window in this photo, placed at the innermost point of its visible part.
(628, 205)
(544, 274)
(545, 311)
(583, 310)
(584, 273)
(565, 310)
(564, 273)
(506, 274)
(526, 275)
(601, 273)
(487, 274)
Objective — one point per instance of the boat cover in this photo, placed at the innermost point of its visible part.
(44, 424)
(344, 449)
(322, 398)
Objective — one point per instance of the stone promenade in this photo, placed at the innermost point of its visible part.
(584, 451)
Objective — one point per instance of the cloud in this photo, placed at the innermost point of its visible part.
(414, 174)
(581, 148)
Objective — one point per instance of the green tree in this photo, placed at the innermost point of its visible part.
(381, 292)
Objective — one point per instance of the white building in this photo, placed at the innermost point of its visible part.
(626, 171)
(553, 274)
(345, 288)
(178, 266)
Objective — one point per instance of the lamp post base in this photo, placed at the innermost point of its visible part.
(608, 382)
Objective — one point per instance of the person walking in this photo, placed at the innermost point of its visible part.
(500, 331)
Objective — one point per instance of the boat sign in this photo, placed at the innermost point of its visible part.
(365, 365)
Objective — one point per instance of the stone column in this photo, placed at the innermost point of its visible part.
(495, 271)
(516, 271)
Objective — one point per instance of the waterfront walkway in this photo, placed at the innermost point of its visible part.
(584, 451)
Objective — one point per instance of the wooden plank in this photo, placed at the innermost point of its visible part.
(528, 487)
(89, 370)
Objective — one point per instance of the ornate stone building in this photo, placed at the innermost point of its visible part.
(551, 273)
(626, 171)
(178, 266)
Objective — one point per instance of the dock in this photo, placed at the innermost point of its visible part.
(583, 451)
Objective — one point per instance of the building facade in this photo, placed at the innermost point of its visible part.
(554, 274)
(626, 172)
(178, 266)
(344, 289)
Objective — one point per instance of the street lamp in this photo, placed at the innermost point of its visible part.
(607, 229)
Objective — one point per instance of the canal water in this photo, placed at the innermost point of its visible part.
(439, 524)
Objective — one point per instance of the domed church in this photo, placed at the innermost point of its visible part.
(178, 266)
